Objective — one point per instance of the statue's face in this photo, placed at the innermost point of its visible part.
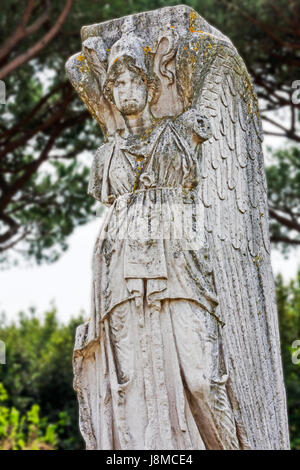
(130, 92)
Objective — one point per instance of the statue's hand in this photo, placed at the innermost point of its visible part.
(197, 122)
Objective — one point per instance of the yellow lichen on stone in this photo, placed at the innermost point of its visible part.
(197, 31)
(193, 17)
(147, 49)
(84, 68)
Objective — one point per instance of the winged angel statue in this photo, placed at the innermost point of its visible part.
(182, 347)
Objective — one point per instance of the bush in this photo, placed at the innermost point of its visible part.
(28, 432)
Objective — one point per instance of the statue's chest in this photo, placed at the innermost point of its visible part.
(124, 170)
(164, 161)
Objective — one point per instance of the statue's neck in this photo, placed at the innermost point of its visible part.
(137, 124)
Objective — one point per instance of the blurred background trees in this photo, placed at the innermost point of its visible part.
(24, 432)
(38, 373)
(47, 139)
(288, 301)
(47, 135)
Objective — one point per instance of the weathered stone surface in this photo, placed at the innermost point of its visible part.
(182, 348)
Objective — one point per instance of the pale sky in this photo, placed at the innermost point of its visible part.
(68, 281)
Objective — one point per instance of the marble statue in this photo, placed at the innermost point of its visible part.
(182, 349)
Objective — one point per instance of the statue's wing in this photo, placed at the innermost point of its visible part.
(234, 193)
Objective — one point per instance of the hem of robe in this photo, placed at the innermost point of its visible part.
(84, 343)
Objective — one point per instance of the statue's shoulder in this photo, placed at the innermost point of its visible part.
(105, 149)
(98, 174)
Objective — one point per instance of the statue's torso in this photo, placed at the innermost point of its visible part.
(154, 228)
(160, 159)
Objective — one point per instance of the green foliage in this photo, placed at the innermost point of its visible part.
(38, 371)
(288, 301)
(28, 432)
(284, 196)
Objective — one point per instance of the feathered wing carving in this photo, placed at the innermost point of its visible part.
(234, 192)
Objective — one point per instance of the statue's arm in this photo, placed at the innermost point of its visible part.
(194, 126)
(98, 182)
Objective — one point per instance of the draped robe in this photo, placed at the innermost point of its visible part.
(155, 374)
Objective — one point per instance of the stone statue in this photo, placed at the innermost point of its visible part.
(182, 347)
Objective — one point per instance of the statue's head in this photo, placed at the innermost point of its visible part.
(128, 86)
